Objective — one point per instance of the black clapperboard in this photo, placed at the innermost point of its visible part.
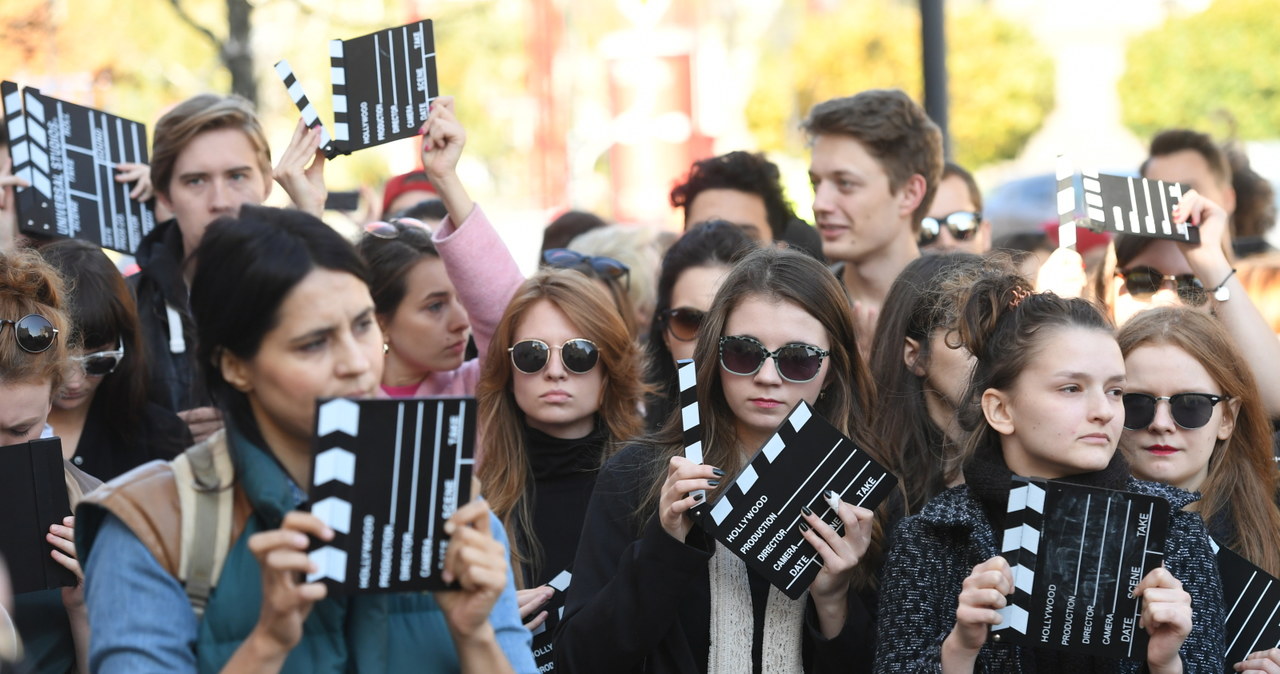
(383, 85)
(1252, 599)
(68, 153)
(33, 491)
(543, 646)
(1121, 205)
(1077, 553)
(386, 476)
(758, 515)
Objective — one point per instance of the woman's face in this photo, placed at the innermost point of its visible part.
(24, 409)
(556, 401)
(1163, 256)
(429, 329)
(326, 343)
(1164, 451)
(694, 290)
(78, 388)
(1064, 414)
(947, 370)
(760, 402)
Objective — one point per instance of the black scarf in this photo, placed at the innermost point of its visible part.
(551, 457)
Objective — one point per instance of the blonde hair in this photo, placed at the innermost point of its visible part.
(635, 246)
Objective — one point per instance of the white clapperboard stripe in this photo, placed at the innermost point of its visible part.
(15, 121)
(1024, 519)
(336, 464)
(1066, 203)
(299, 97)
(338, 76)
(1128, 205)
(689, 420)
(560, 583)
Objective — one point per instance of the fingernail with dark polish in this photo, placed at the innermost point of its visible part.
(717, 472)
(804, 527)
(806, 510)
(697, 497)
(713, 483)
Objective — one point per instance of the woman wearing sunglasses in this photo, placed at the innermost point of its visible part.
(34, 358)
(1159, 272)
(692, 271)
(103, 411)
(284, 318)
(1193, 419)
(432, 290)
(561, 388)
(651, 592)
(1045, 400)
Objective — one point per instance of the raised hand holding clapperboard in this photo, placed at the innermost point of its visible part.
(383, 85)
(68, 153)
(1077, 553)
(1120, 205)
(387, 475)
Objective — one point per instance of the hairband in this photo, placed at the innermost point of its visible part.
(1019, 294)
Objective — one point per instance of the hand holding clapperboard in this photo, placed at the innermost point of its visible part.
(757, 515)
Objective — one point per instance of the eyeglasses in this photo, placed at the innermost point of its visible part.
(100, 363)
(683, 323)
(1189, 410)
(531, 355)
(1143, 282)
(962, 225)
(388, 230)
(604, 267)
(33, 332)
(796, 362)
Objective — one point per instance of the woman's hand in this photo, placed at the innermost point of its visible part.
(1208, 259)
(8, 204)
(139, 173)
(981, 597)
(1262, 662)
(478, 563)
(529, 601)
(840, 555)
(683, 477)
(443, 138)
(1166, 615)
(286, 597)
(302, 182)
(1062, 273)
(63, 539)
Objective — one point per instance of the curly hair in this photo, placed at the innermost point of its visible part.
(29, 285)
(741, 171)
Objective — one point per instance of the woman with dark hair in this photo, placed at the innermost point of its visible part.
(1148, 272)
(1193, 419)
(692, 271)
(103, 412)
(284, 318)
(653, 593)
(1045, 400)
(560, 391)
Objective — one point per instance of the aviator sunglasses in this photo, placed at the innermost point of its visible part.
(531, 355)
(683, 323)
(962, 225)
(1189, 410)
(797, 363)
(100, 363)
(33, 332)
(604, 267)
(1143, 282)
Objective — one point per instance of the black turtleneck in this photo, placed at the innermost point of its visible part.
(564, 474)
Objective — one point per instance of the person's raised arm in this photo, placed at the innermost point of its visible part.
(442, 140)
(300, 170)
(8, 204)
(1239, 314)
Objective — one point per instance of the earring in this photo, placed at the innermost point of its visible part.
(386, 346)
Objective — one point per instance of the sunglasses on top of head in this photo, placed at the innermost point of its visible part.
(100, 363)
(388, 229)
(604, 267)
(683, 323)
(962, 225)
(796, 362)
(1142, 282)
(33, 332)
(530, 356)
(1189, 410)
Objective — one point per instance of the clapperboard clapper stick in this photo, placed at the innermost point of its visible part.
(68, 153)
(387, 475)
(1077, 553)
(33, 493)
(1120, 205)
(687, 377)
(383, 85)
(757, 516)
(1252, 599)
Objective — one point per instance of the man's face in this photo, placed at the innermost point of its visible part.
(1190, 168)
(215, 174)
(857, 214)
(744, 209)
(953, 197)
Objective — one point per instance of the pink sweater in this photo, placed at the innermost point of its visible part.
(485, 277)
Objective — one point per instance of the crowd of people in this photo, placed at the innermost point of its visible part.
(956, 360)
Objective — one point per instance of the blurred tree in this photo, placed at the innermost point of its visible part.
(1200, 70)
(235, 48)
(1000, 80)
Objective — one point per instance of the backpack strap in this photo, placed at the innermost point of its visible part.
(205, 478)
